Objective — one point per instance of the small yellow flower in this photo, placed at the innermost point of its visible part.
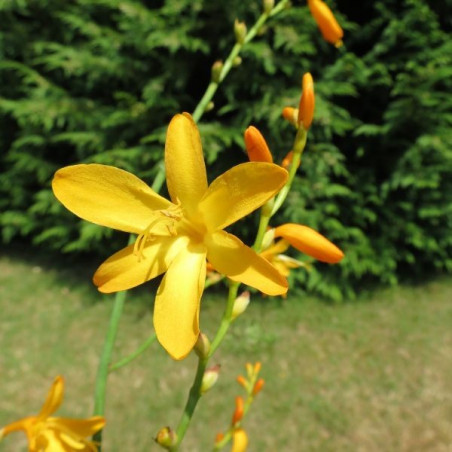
(55, 434)
(330, 29)
(175, 237)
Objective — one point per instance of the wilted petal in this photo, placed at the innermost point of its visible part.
(239, 191)
(233, 258)
(176, 310)
(107, 196)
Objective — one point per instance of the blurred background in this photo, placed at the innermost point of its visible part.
(98, 81)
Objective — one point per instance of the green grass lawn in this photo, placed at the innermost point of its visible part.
(372, 375)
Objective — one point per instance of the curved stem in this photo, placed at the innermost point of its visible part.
(141, 349)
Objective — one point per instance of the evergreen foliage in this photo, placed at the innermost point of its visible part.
(98, 81)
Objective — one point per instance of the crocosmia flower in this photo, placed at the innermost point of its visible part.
(175, 237)
(56, 434)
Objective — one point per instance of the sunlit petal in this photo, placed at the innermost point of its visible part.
(54, 398)
(239, 440)
(107, 196)
(185, 168)
(176, 310)
(310, 242)
(233, 258)
(81, 427)
(125, 269)
(239, 191)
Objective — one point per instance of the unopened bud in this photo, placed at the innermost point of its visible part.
(210, 378)
(241, 380)
(249, 370)
(240, 304)
(210, 106)
(290, 114)
(307, 102)
(256, 146)
(239, 410)
(269, 236)
(217, 67)
(239, 440)
(219, 437)
(202, 346)
(240, 31)
(237, 61)
(268, 6)
(330, 29)
(258, 386)
(257, 367)
(166, 437)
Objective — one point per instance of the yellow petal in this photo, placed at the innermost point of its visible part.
(277, 248)
(239, 440)
(185, 168)
(176, 310)
(54, 398)
(239, 191)
(107, 196)
(80, 427)
(237, 261)
(310, 242)
(125, 269)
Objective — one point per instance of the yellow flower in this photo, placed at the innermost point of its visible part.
(176, 237)
(330, 29)
(56, 434)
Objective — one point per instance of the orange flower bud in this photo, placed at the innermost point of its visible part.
(290, 114)
(256, 146)
(330, 29)
(287, 160)
(219, 437)
(307, 102)
(241, 380)
(239, 440)
(258, 386)
(238, 412)
(310, 242)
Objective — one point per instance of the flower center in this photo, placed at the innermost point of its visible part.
(166, 218)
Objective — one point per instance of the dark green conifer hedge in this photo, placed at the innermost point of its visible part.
(98, 81)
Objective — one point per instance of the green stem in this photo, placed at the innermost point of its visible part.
(192, 402)
(102, 371)
(298, 148)
(141, 349)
